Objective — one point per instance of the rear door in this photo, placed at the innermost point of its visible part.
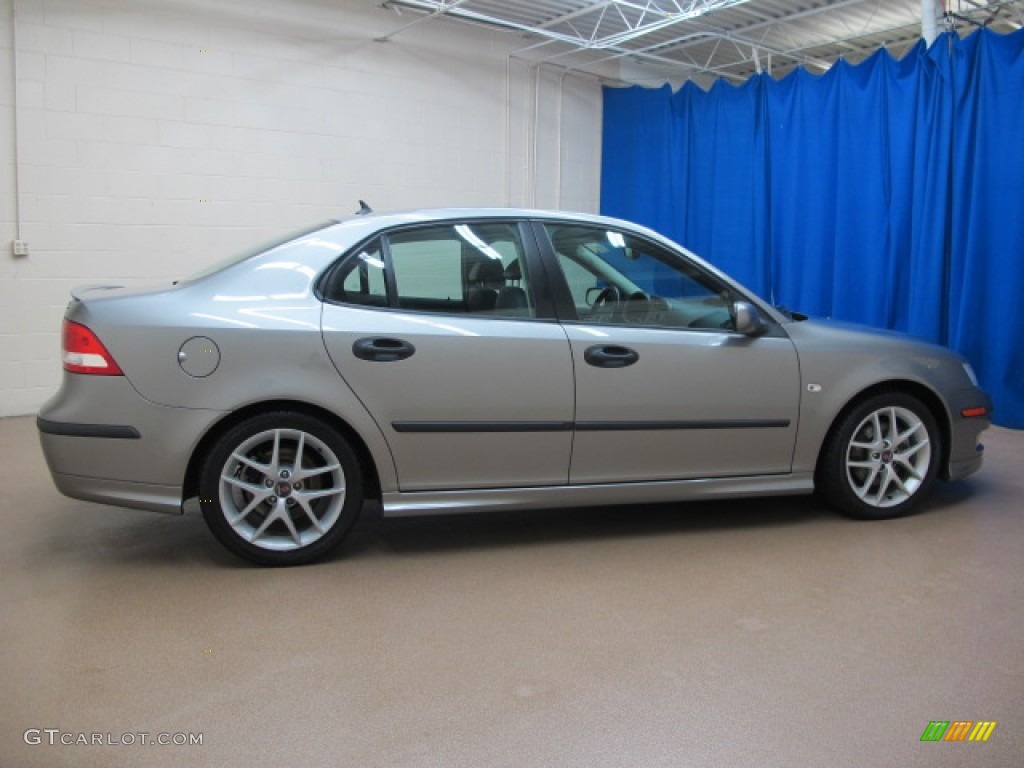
(439, 331)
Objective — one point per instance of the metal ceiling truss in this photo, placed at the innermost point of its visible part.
(599, 25)
(610, 23)
(717, 38)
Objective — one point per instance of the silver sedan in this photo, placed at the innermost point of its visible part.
(461, 360)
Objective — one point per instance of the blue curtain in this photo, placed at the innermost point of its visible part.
(987, 216)
(889, 193)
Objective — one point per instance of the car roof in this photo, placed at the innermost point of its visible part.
(424, 215)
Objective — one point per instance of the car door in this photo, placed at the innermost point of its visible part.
(665, 388)
(439, 331)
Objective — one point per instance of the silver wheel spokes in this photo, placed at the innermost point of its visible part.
(282, 489)
(888, 457)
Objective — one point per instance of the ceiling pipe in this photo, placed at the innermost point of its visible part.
(929, 27)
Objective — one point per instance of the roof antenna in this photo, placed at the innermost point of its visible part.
(363, 208)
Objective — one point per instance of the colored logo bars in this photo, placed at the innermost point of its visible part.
(958, 730)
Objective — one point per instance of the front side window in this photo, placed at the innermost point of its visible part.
(618, 278)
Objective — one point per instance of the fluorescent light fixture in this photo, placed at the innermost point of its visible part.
(372, 261)
(473, 239)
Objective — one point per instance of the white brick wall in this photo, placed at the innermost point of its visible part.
(156, 136)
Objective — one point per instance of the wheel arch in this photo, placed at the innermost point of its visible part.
(928, 398)
(371, 479)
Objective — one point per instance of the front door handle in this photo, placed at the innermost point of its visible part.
(382, 350)
(610, 356)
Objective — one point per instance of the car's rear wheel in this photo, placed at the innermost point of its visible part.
(281, 488)
(882, 457)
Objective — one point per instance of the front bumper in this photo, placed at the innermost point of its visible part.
(966, 452)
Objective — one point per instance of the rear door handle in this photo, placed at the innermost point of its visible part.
(382, 350)
(610, 356)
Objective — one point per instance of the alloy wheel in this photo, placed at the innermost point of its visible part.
(282, 489)
(888, 457)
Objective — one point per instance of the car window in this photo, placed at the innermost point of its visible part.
(428, 265)
(472, 267)
(361, 279)
(615, 277)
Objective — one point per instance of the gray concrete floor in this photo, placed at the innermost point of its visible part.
(747, 633)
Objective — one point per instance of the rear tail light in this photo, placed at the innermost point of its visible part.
(85, 353)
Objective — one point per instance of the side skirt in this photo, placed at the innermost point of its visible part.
(398, 504)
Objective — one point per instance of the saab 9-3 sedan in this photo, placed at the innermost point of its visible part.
(459, 360)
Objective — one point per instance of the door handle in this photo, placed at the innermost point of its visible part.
(610, 356)
(382, 350)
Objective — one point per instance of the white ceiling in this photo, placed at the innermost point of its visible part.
(704, 39)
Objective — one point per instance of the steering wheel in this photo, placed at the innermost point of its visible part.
(607, 303)
(635, 308)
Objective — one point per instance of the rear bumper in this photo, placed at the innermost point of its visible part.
(148, 496)
(71, 429)
(105, 443)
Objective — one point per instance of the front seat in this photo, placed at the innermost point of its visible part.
(484, 277)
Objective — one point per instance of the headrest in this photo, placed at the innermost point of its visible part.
(486, 271)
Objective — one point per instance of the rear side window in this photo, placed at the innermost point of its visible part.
(428, 267)
(473, 268)
(361, 278)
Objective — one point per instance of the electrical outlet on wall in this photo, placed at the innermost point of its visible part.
(19, 247)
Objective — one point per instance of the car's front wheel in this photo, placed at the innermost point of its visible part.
(281, 488)
(882, 457)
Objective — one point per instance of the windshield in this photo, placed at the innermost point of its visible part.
(250, 252)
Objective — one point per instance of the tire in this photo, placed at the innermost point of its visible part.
(281, 488)
(881, 459)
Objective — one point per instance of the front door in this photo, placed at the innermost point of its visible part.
(665, 389)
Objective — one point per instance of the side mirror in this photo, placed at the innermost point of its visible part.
(746, 319)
